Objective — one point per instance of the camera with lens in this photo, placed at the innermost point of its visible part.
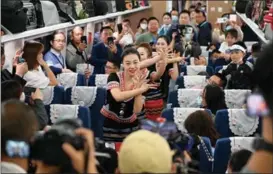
(183, 30)
(47, 146)
(179, 142)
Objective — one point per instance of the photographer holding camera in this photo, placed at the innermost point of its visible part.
(66, 147)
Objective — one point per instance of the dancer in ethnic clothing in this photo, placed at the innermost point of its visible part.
(124, 106)
(153, 97)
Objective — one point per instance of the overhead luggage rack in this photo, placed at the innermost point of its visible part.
(40, 32)
(254, 27)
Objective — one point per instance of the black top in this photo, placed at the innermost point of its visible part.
(119, 116)
(240, 76)
(6, 75)
(165, 80)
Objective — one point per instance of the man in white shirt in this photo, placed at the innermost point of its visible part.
(231, 38)
(127, 36)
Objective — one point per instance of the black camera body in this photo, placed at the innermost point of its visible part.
(182, 30)
(47, 146)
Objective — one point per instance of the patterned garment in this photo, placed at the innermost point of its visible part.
(120, 120)
(153, 109)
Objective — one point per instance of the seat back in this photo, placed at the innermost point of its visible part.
(195, 69)
(81, 68)
(191, 82)
(98, 80)
(225, 147)
(185, 98)
(179, 115)
(236, 98)
(235, 122)
(53, 95)
(58, 111)
(71, 79)
(93, 98)
(50, 13)
(205, 164)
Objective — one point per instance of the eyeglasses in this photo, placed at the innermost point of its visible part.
(109, 67)
(58, 40)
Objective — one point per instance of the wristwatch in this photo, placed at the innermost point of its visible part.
(261, 144)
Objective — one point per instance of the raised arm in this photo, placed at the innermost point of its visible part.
(52, 79)
(160, 66)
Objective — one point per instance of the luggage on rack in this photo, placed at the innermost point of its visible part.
(31, 15)
(101, 7)
(89, 7)
(50, 13)
(66, 10)
(13, 15)
(241, 5)
(144, 3)
(135, 3)
(120, 5)
(111, 6)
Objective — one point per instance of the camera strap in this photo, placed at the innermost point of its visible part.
(86, 160)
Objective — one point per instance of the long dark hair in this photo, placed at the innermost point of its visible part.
(31, 51)
(201, 123)
(215, 98)
(141, 20)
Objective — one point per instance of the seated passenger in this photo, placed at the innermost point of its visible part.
(127, 36)
(18, 123)
(238, 160)
(76, 52)
(218, 80)
(201, 123)
(54, 58)
(112, 66)
(13, 90)
(238, 72)
(35, 77)
(102, 51)
(19, 69)
(255, 51)
(213, 98)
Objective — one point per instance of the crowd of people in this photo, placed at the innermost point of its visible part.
(142, 69)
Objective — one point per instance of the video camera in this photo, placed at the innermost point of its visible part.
(178, 141)
(183, 30)
(47, 146)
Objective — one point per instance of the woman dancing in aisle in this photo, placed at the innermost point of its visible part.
(154, 103)
(124, 106)
(171, 71)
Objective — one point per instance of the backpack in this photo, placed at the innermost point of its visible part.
(241, 5)
(13, 15)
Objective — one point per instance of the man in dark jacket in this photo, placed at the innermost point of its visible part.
(11, 89)
(238, 72)
(102, 51)
(204, 28)
(19, 70)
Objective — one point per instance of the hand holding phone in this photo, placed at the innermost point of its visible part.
(84, 40)
(110, 41)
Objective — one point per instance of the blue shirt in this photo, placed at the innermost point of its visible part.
(55, 61)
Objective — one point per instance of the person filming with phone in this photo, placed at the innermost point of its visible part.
(19, 68)
(126, 36)
(76, 52)
(104, 50)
